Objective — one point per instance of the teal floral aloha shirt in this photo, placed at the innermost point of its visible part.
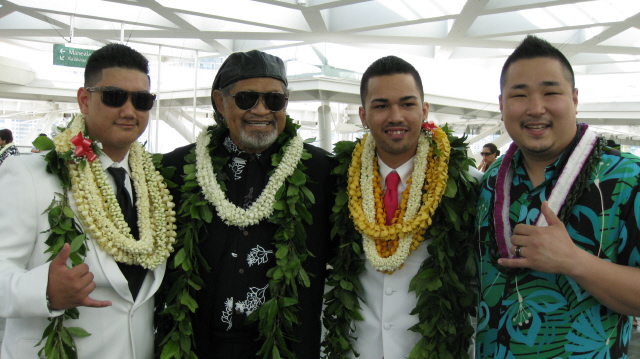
(541, 315)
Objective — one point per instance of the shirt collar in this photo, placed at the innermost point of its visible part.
(263, 159)
(235, 151)
(551, 172)
(555, 169)
(404, 171)
(107, 162)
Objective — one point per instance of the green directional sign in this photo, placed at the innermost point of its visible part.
(70, 56)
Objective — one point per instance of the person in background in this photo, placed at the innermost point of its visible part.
(489, 154)
(35, 149)
(558, 224)
(7, 148)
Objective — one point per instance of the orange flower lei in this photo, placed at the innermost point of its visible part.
(387, 238)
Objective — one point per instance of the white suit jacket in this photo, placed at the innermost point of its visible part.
(384, 332)
(123, 330)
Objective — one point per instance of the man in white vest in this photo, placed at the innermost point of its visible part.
(409, 209)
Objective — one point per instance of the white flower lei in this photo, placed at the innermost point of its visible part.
(6, 147)
(263, 206)
(102, 216)
(394, 261)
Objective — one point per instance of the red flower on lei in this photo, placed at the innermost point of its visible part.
(429, 126)
(83, 147)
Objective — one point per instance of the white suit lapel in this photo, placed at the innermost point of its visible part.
(151, 284)
(108, 265)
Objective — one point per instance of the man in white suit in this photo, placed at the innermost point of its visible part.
(413, 297)
(114, 299)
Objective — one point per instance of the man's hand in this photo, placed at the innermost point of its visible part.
(70, 287)
(545, 249)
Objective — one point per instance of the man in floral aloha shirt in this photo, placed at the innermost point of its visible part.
(565, 283)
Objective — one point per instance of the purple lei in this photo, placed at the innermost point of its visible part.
(558, 195)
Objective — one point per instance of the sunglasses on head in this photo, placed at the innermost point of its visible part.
(246, 100)
(485, 153)
(116, 97)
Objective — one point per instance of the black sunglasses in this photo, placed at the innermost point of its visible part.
(485, 153)
(116, 97)
(246, 100)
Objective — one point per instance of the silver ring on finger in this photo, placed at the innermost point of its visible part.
(518, 251)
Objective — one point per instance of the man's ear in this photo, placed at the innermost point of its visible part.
(363, 117)
(425, 111)
(500, 101)
(218, 98)
(83, 100)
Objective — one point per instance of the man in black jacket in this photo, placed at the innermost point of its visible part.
(258, 200)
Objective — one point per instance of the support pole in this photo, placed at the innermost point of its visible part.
(71, 25)
(324, 125)
(195, 93)
(157, 126)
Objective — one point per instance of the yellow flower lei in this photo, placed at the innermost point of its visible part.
(387, 239)
(100, 212)
(387, 248)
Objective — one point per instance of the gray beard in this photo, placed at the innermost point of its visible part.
(258, 141)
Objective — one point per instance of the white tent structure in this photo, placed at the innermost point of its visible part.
(458, 46)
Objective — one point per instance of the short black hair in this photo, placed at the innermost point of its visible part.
(533, 47)
(6, 135)
(113, 55)
(389, 65)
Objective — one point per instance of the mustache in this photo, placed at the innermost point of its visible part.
(252, 117)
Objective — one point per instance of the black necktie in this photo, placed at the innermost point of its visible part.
(133, 273)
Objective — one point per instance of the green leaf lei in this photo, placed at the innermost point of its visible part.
(276, 317)
(59, 339)
(445, 297)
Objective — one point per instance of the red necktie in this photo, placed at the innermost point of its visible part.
(391, 196)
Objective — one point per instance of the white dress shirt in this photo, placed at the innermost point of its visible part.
(387, 301)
